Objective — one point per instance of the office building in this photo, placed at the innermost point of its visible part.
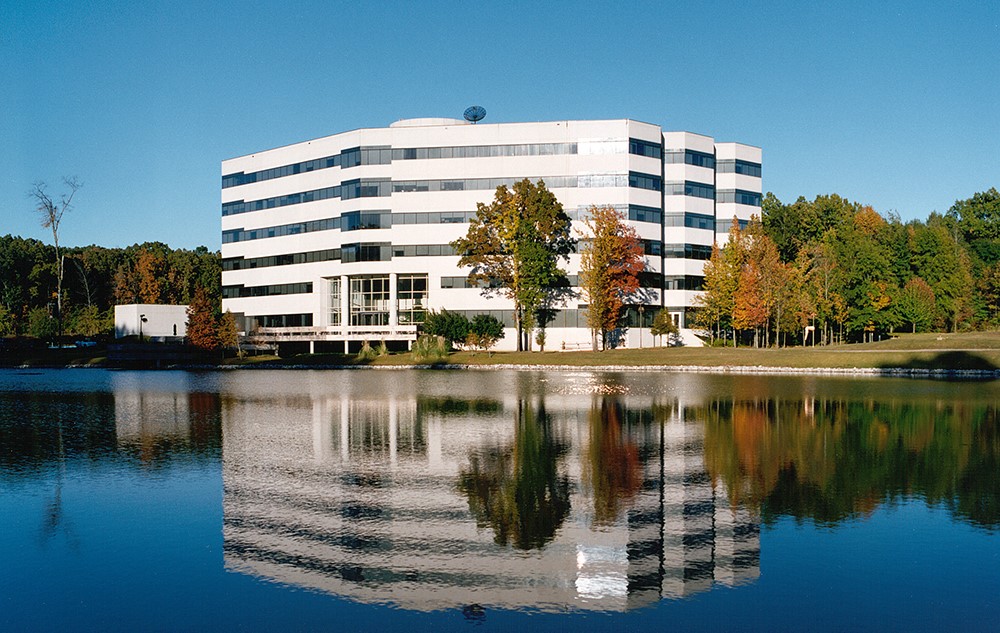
(346, 238)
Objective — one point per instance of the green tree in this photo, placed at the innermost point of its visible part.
(7, 325)
(513, 247)
(88, 321)
(611, 260)
(484, 331)
(41, 325)
(916, 304)
(722, 276)
(663, 324)
(978, 220)
(451, 326)
(938, 259)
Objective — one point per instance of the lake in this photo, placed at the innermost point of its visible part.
(494, 500)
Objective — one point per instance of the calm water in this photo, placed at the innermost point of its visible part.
(304, 500)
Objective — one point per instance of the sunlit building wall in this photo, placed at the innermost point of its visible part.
(346, 238)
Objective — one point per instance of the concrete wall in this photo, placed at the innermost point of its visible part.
(162, 321)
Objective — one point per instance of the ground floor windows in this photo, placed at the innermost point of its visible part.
(280, 320)
(333, 287)
(370, 300)
(411, 298)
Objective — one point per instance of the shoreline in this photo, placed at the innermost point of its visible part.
(763, 370)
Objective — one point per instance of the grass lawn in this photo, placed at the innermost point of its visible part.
(972, 350)
(976, 350)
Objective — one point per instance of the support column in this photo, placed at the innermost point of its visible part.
(393, 302)
(345, 309)
(345, 302)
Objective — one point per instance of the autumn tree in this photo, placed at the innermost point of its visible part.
(201, 324)
(150, 269)
(722, 276)
(513, 247)
(749, 306)
(610, 262)
(51, 212)
(229, 334)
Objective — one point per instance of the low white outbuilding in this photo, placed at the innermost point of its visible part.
(154, 321)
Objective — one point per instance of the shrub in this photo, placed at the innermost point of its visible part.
(367, 353)
(430, 349)
(452, 326)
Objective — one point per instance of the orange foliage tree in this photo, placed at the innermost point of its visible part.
(202, 331)
(610, 262)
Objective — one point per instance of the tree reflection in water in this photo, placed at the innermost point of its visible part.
(830, 460)
(518, 490)
(612, 469)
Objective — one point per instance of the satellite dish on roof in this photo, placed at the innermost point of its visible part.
(475, 114)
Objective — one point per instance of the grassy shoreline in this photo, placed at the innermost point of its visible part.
(975, 351)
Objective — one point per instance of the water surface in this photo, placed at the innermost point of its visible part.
(300, 500)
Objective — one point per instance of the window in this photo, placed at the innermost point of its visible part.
(411, 298)
(638, 213)
(689, 157)
(644, 148)
(644, 181)
(283, 320)
(370, 300)
(333, 288)
(690, 188)
(739, 196)
(240, 291)
(739, 167)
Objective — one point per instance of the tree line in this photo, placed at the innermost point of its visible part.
(834, 270)
(95, 278)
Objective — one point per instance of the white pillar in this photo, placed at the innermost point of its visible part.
(345, 302)
(345, 309)
(393, 303)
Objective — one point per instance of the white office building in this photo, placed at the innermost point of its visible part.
(346, 238)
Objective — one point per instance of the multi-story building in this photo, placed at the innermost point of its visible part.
(347, 238)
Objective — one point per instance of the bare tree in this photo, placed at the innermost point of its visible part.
(51, 212)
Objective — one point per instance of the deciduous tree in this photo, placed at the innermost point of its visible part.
(916, 304)
(663, 324)
(229, 334)
(202, 331)
(484, 331)
(611, 260)
(51, 212)
(513, 247)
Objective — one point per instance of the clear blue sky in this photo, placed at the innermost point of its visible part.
(894, 104)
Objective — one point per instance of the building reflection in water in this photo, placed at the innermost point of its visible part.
(547, 502)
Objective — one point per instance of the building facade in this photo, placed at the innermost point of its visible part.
(346, 239)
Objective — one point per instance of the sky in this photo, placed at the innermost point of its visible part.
(892, 104)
